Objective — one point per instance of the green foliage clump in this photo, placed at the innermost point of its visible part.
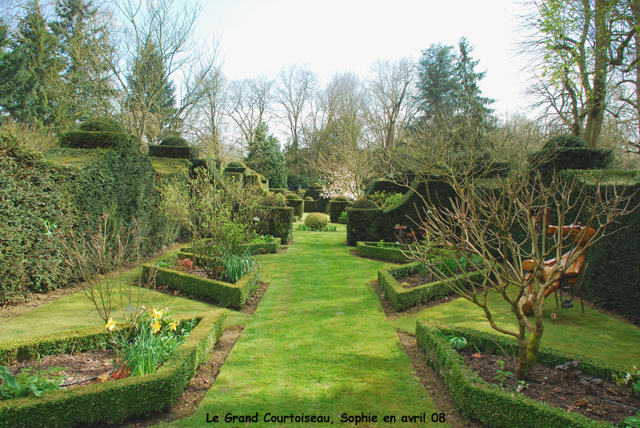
(364, 203)
(384, 199)
(25, 386)
(293, 197)
(565, 141)
(316, 221)
(341, 198)
(266, 158)
(274, 200)
(175, 152)
(308, 198)
(236, 164)
(99, 140)
(174, 141)
(102, 124)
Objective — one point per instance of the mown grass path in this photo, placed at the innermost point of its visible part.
(318, 345)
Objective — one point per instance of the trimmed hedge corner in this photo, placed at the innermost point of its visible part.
(259, 248)
(388, 251)
(113, 402)
(493, 406)
(224, 294)
(404, 298)
(336, 207)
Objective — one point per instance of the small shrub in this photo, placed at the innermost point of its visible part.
(308, 198)
(236, 164)
(364, 203)
(274, 200)
(563, 142)
(316, 221)
(293, 196)
(174, 141)
(102, 124)
(341, 198)
(384, 199)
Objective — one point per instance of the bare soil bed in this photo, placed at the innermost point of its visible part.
(566, 389)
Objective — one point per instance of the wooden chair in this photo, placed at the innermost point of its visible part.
(573, 288)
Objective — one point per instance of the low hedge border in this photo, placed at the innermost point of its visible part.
(113, 402)
(490, 404)
(226, 295)
(404, 298)
(258, 248)
(372, 250)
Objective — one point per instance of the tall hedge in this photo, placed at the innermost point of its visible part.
(277, 222)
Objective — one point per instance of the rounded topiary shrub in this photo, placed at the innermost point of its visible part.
(316, 221)
(565, 141)
(293, 196)
(236, 164)
(317, 185)
(102, 124)
(274, 200)
(174, 141)
(342, 198)
(308, 198)
(364, 203)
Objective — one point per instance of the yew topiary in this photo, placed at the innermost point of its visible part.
(102, 124)
(174, 141)
(364, 203)
(316, 221)
(274, 200)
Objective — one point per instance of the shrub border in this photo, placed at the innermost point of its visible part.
(113, 402)
(258, 248)
(226, 295)
(490, 404)
(404, 298)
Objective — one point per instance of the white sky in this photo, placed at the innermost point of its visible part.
(263, 36)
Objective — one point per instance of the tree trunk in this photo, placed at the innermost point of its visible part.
(528, 355)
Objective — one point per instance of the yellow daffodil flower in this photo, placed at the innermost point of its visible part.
(157, 314)
(111, 324)
(155, 327)
(173, 326)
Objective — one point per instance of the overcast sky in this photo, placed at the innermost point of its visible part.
(263, 36)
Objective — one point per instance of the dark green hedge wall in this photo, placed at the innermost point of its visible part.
(176, 152)
(277, 222)
(336, 208)
(386, 186)
(98, 140)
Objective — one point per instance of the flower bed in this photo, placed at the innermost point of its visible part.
(224, 294)
(404, 298)
(110, 402)
(493, 406)
(254, 247)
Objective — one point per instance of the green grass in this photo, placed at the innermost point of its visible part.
(594, 335)
(75, 311)
(319, 344)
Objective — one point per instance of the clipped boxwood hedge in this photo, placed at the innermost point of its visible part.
(175, 152)
(277, 222)
(336, 208)
(309, 205)
(388, 251)
(98, 140)
(113, 402)
(224, 294)
(297, 204)
(493, 406)
(404, 298)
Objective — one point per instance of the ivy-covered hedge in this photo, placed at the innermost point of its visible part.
(113, 402)
(384, 250)
(336, 208)
(404, 298)
(493, 406)
(227, 295)
(175, 152)
(98, 140)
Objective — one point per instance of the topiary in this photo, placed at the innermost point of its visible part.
(316, 221)
(174, 141)
(364, 203)
(274, 200)
(308, 198)
(342, 198)
(317, 185)
(102, 124)
(236, 164)
(293, 196)
(565, 141)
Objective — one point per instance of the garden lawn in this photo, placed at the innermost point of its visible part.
(75, 311)
(319, 344)
(595, 335)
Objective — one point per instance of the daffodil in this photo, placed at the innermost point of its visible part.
(155, 327)
(111, 324)
(156, 314)
(173, 326)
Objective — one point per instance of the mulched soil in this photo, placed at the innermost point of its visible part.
(568, 390)
(76, 368)
(433, 384)
(391, 312)
(417, 279)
